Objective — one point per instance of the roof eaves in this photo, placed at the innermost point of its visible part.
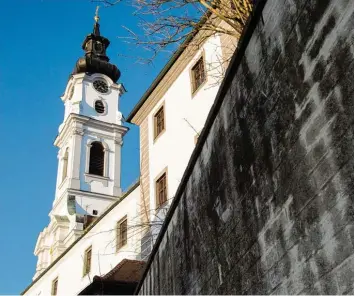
(166, 68)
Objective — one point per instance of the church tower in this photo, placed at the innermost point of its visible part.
(89, 157)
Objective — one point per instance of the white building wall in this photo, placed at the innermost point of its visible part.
(102, 239)
(185, 113)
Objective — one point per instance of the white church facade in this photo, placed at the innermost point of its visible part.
(93, 224)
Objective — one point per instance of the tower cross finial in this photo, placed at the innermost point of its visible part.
(97, 18)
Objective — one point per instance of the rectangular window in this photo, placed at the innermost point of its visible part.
(122, 233)
(160, 191)
(198, 74)
(159, 122)
(87, 260)
(55, 286)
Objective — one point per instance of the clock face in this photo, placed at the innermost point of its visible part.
(101, 86)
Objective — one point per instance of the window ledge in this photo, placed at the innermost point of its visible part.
(158, 136)
(90, 178)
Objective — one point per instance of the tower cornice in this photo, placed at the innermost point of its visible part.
(71, 191)
(74, 124)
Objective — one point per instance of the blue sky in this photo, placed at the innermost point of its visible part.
(41, 41)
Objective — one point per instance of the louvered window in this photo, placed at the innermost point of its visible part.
(161, 192)
(99, 107)
(97, 157)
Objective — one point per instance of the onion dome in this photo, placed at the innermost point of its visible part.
(96, 60)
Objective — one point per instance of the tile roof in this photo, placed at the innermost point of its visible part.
(125, 271)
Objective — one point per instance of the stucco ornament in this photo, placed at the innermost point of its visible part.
(78, 131)
(119, 117)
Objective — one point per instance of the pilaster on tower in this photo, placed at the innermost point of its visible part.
(90, 140)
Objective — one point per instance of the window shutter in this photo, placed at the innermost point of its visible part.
(198, 74)
(159, 122)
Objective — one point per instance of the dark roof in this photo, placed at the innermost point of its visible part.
(126, 271)
(95, 59)
(121, 280)
(109, 288)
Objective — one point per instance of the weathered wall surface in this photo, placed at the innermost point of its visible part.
(268, 205)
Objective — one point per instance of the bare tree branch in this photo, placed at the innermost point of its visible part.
(165, 24)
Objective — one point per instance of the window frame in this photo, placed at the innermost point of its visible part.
(102, 160)
(155, 132)
(87, 165)
(157, 201)
(87, 270)
(194, 88)
(119, 241)
(54, 289)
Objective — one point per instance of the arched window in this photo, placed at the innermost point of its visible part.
(97, 157)
(65, 164)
